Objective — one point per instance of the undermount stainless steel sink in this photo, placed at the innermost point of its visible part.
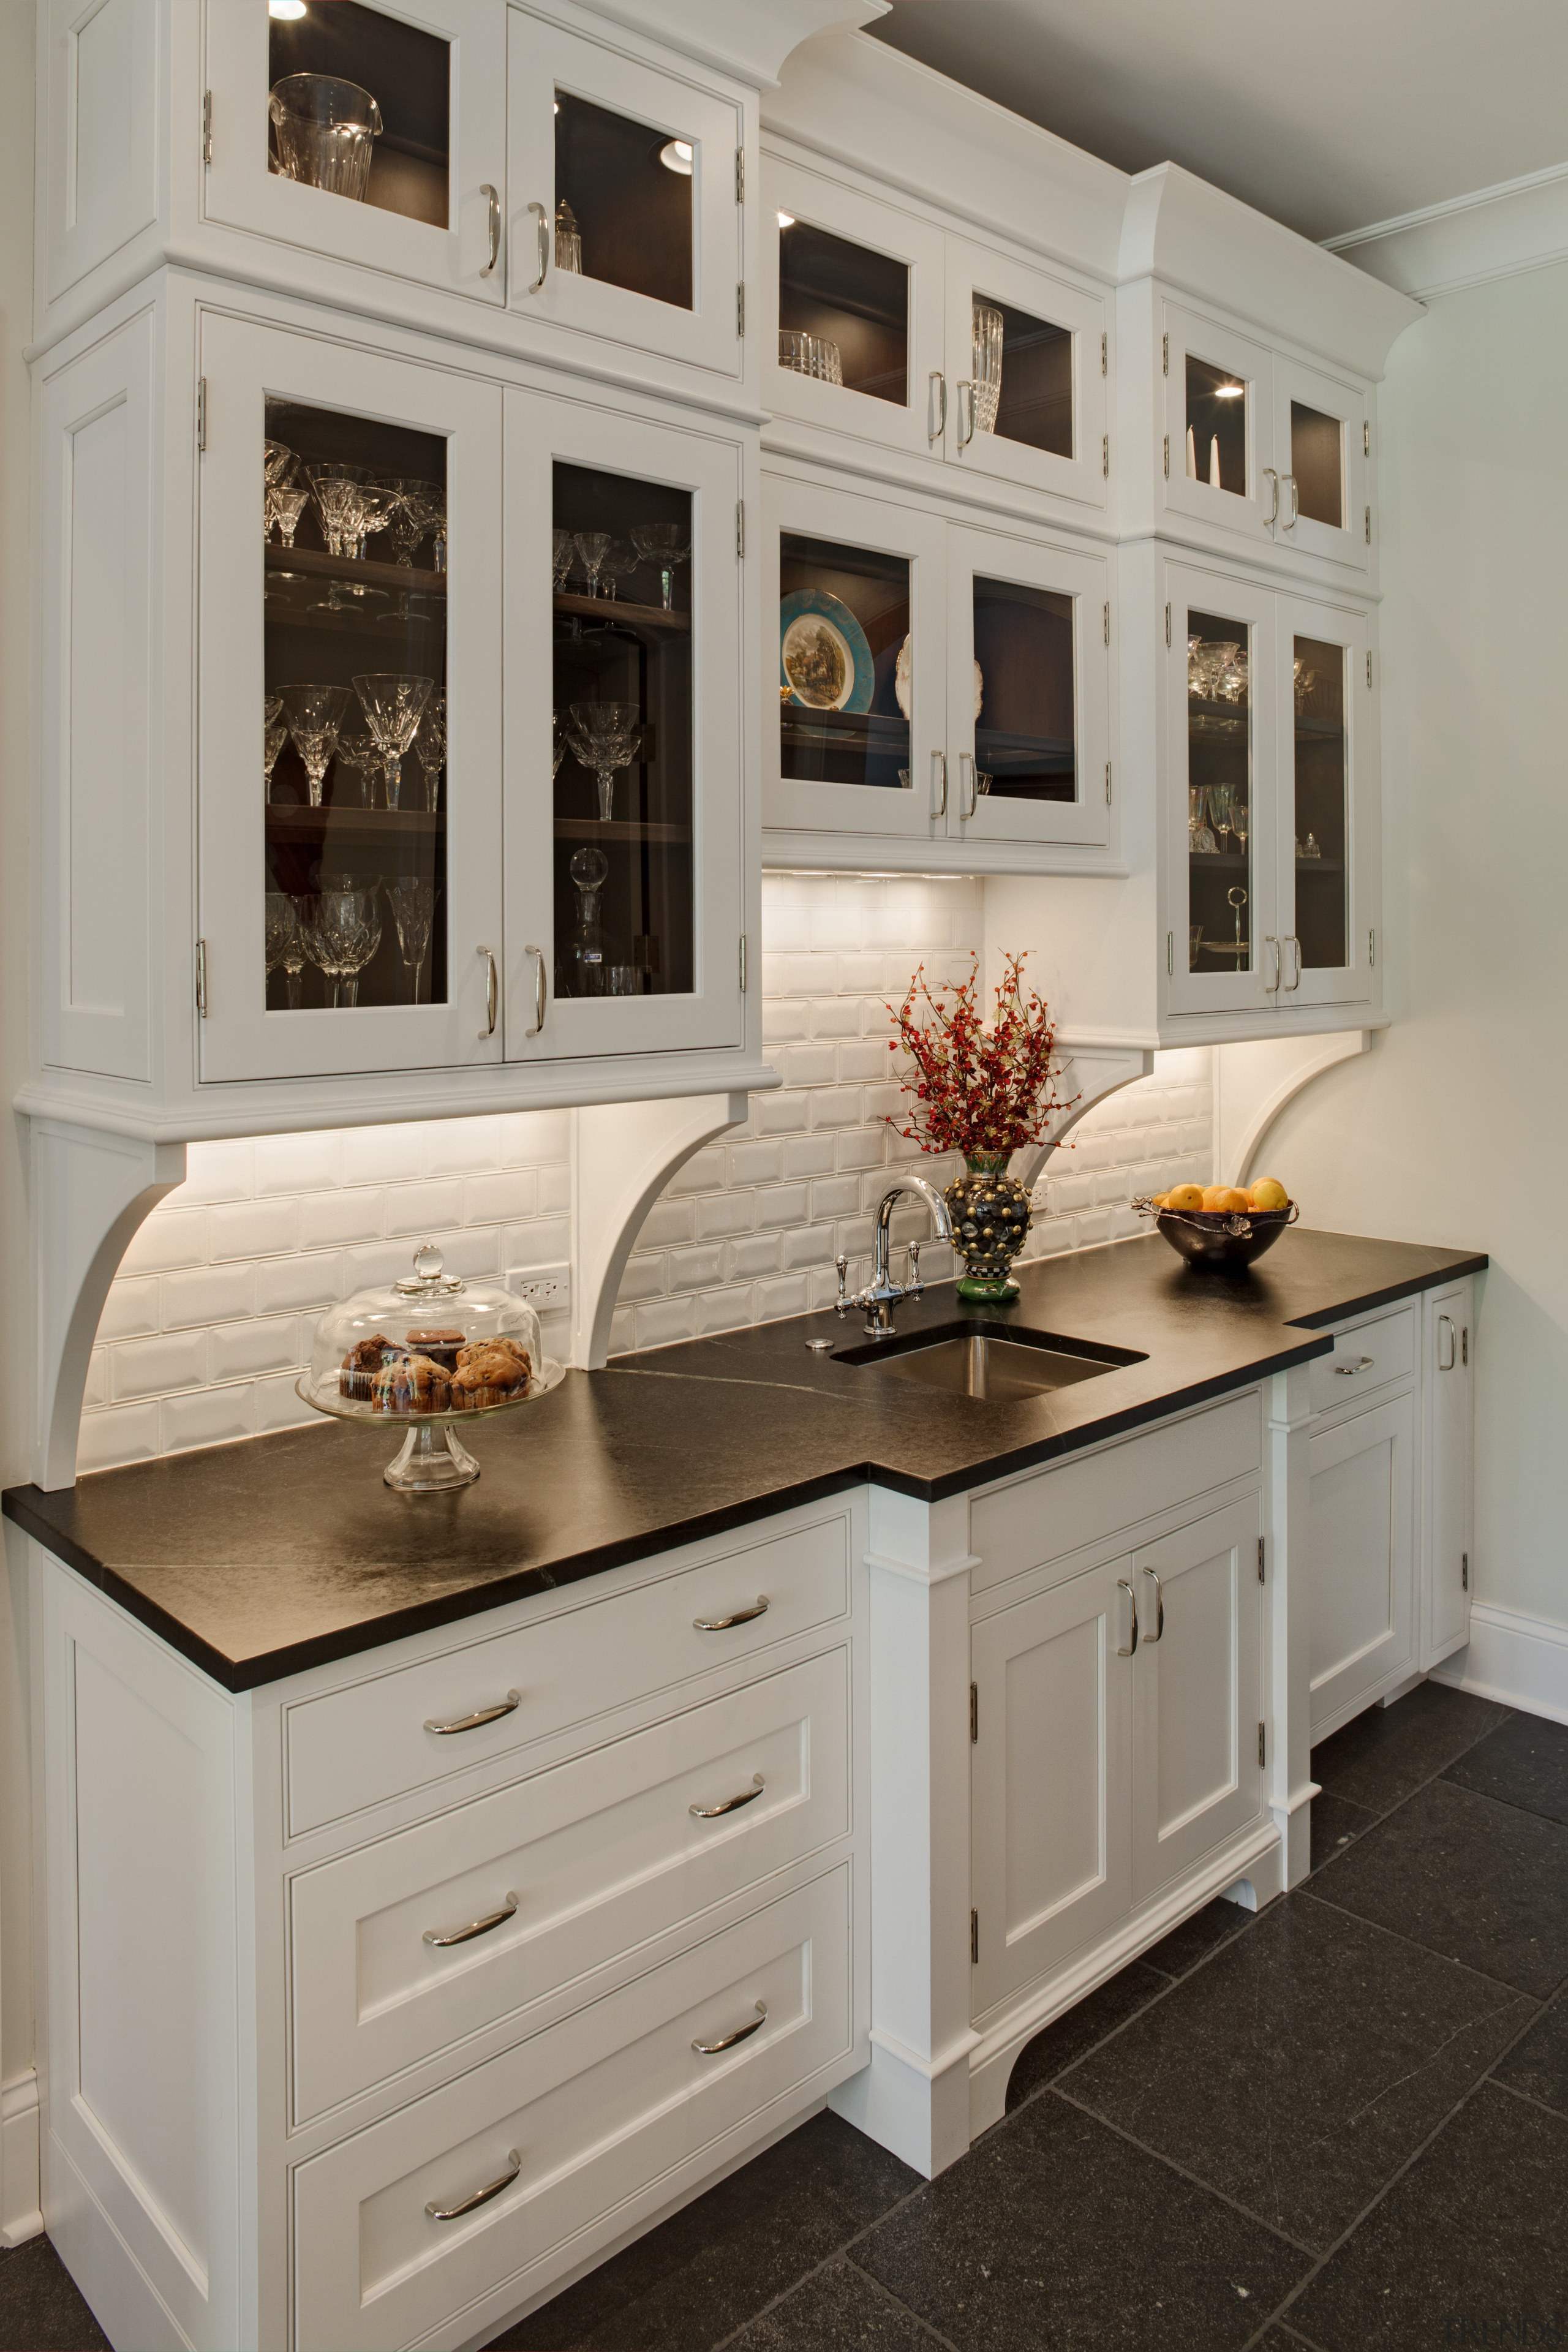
(999, 1363)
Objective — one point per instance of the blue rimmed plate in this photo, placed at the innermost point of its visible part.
(824, 661)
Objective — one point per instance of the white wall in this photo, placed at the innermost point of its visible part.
(1455, 1128)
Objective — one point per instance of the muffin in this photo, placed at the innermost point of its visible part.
(362, 1362)
(411, 1384)
(441, 1346)
(489, 1371)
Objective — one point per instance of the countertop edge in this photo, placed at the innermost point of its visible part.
(1389, 1294)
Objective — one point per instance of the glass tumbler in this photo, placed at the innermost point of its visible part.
(987, 364)
(326, 130)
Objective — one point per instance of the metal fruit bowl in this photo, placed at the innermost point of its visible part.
(1217, 1237)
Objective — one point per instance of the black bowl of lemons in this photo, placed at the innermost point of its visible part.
(1225, 1226)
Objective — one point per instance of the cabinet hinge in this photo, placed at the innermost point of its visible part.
(975, 1939)
(1369, 669)
(973, 1713)
(1167, 457)
(1261, 1541)
(1368, 526)
(739, 175)
(1164, 355)
(206, 126)
(1105, 454)
(742, 964)
(1465, 1343)
(741, 309)
(1108, 625)
(1370, 949)
(1464, 1571)
(1170, 951)
(201, 979)
(1104, 362)
(1108, 783)
(740, 526)
(1167, 625)
(1366, 437)
(1263, 1743)
(201, 412)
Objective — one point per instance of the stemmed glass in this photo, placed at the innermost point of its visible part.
(1241, 821)
(274, 735)
(593, 546)
(431, 745)
(1221, 798)
(435, 522)
(377, 512)
(665, 544)
(557, 745)
(604, 736)
(338, 502)
(417, 501)
(1199, 838)
(413, 902)
(393, 707)
(562, 554)
(620, 562)
(353, 918)
(278, 462)
(284, 944)
(358, 756)
(287, 504)
(314, 714)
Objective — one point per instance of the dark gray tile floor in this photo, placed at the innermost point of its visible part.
(1340, 2125)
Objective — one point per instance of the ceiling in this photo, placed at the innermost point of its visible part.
(1330, 117)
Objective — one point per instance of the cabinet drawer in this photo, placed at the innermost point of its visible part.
(595, 1856)
(585, 2114)
(356, 1747)
(1048, 1516)
(1367, 1357)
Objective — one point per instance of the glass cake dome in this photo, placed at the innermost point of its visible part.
(427, 1353)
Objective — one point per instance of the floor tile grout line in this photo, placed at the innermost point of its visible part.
(1514, 2092)
(898, 2302)
(1345, 1912)
(1509, 1713)
(1194, 2179)
(841, 2252)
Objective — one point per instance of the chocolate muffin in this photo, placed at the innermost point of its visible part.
(362, 1362)
(441, 1346)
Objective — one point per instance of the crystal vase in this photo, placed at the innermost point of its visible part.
(990, 1212)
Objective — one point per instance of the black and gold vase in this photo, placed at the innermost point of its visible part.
(990, 1212)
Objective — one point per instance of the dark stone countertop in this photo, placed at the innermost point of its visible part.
(258, 1559)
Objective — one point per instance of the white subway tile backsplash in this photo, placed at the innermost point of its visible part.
(131, 1310)
(149, 1367)
(251, 1229)
(119, 1434)
(275, 1343)
(754, 1254)
(300, 1164)
(282, 1283)
(208, 1295)
(172, 1236)
(724, 1213)
(210, 1417)
(462, 1146)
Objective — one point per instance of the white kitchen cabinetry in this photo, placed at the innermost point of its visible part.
(1363, 1510)
(1448, 1438)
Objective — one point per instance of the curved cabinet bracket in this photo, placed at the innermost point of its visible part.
(626, 1154)
(91, 1191)
(1089, 1073)
(1253, 1083)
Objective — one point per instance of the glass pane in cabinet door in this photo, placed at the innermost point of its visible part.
(844, 312)
(1219, 794)
(845, 664)
(354, 727)
(359, 105)
(1317, 465)
(1322, 798)
(622, 727)
(622, 201)
(1025, 732)
(1216, 426)
(1021, 377)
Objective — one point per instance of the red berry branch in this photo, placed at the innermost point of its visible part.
(975, 1089)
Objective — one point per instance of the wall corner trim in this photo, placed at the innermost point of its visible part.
(21, 2216)
(1519, 1661)
(1498, 232)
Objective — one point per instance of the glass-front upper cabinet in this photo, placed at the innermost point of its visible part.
(1026, 357)
(349, 710)
(623, 755)
(858, 585)
(1321, 434)
(624, 199)
(363, 134)
(1217, 454)
(1329, 847)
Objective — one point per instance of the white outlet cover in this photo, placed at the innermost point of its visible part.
(546, 1288)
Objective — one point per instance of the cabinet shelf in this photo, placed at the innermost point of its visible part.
(290, 823)
(617, 608)
(801, 729)
(316, 564)
(622, 832)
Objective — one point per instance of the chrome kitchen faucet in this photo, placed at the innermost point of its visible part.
(881, 1293)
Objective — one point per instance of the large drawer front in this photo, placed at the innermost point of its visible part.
(356, 1747)
(595, 2109)
(1054, 1513)
(1367, 1357)
(597, 1855)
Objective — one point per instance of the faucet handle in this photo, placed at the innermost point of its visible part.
(841, 1303)
(916, 1284)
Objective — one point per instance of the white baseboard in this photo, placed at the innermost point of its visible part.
(20, 2218)
(1520, 1661)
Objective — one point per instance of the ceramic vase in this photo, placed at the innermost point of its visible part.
(990, 1212)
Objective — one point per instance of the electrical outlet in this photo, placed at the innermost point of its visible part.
(546, 1288)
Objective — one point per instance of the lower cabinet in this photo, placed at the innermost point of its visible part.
(1450, 1440)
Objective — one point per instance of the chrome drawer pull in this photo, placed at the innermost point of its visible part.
(1159, 1633)
(740, 1617)
(507, 1706)
(480, 2196)
(475, 1927)
(1349, 1371)
(731, 1804)
(1128, 1648)
(725, 2041)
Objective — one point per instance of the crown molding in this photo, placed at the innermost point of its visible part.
(1498, 232)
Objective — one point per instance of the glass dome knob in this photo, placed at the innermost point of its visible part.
(427, 1275)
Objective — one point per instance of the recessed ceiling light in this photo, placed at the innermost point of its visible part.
(786, 220)
(288, 9)
(675, 156)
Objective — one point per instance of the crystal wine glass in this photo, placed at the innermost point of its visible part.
(283, 935)
(353, 920)
(603, 735)
(336, 489)
(431, 745)
(557, 745)
(586, 960)
(378, 510)
(436, 523)
(563, 553)
(1222, 799)
(1199, 838)
(665, 544)
(288, 505)
(358, 757)
(274, 735)
(278, 462)
(1241, 821)
(413, 903)
(620, 562)
(321, 949)
(412, 520)
(593, 546)
(314, 714)
(393, 707)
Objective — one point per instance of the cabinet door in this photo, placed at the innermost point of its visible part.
(433, 72)
(1450, 1470)
(1028, 693)
(1361, 1544)
(1025, 368)
(1050, 1836)
(1320, 433)
(1197, 1692)
(1217, 453)
(1222, 783)
(855, 291)
(626, 222)
(859, 586)
(624, 772)
(349, 892)
(1329, 829)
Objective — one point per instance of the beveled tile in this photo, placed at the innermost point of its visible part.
(1054, 2234)
(1300, 2069)
(1066, 2038)
(1336, 1824)
(839, 2309)
(1539, 2064)
(1481, 1883)
(714, 2265)
(1197, 1937)
(1472, 2233)
(1383, 1756)
(41, 2307)
(1524, 1762)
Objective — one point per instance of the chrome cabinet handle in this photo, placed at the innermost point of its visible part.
(740, 1617)
(1270, 986)
(1294, 944)
(507, 1706)
(967, 761)
(934, 432)
(728, 2041)
(492, 991)
(1159, 1631)
(939, 765)
(1126, 1649)
(731, 1804)
(965, 410)
(1444, 1344)
(475, 1927)
(542, 223)
(480, 2196)
(493, 200)
(1295, 503)
(1364, 1363)
(1272, 517)
(538, 992)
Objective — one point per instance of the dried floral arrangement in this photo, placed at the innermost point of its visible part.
(980, 1091)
